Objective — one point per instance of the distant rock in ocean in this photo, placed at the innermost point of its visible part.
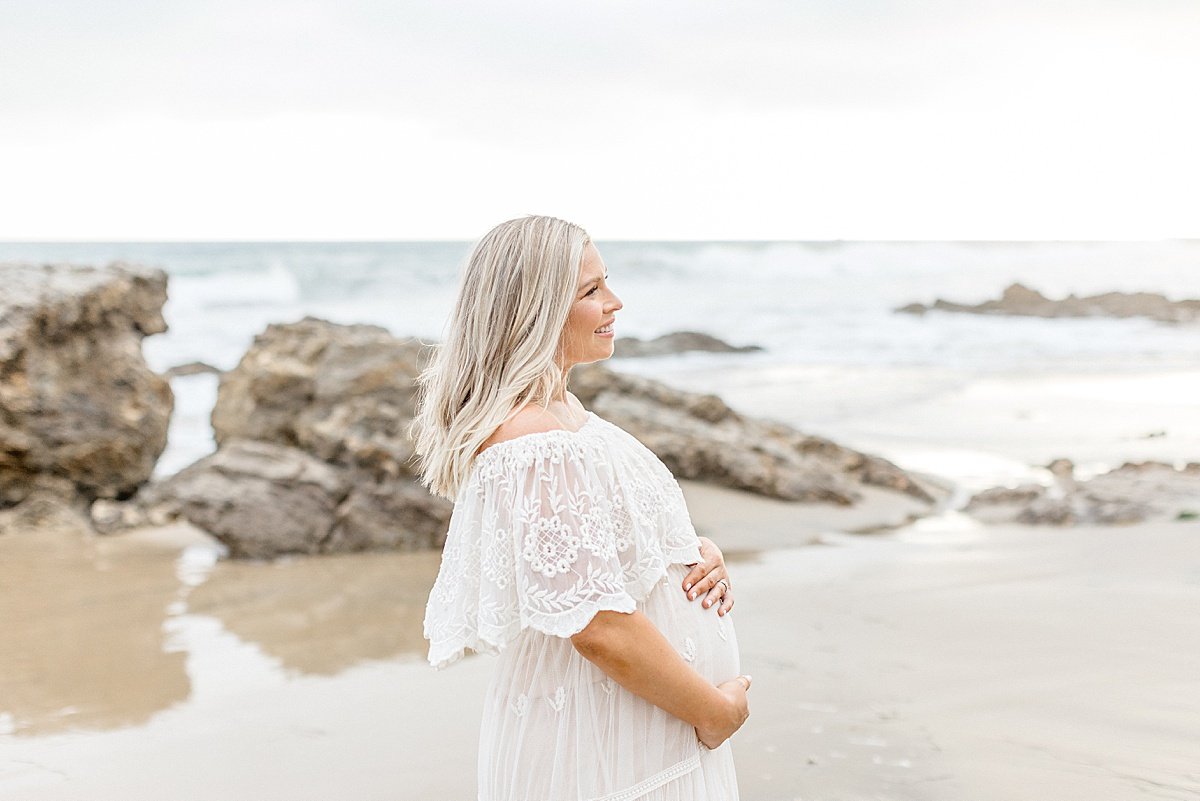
(1132, 493)
(676, 342)
(81, 414)
(191, 368)
(1019, 300)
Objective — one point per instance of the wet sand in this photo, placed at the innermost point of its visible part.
(942, 661)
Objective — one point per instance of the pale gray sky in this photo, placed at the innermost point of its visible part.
(846, 119)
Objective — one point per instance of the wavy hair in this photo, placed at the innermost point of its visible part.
(504, 347)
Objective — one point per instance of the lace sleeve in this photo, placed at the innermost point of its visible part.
(567, 566)
(535, 541)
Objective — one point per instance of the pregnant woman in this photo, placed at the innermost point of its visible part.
(570, 552)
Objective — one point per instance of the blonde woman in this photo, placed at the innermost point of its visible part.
(570, 553)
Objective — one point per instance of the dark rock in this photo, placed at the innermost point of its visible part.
(1131, 493)
(676, 342)
(699, 437)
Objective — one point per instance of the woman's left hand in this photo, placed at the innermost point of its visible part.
(705, 575)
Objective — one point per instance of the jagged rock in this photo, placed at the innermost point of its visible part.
(1020, 300)
(323, 400)
(340, 392)
(675, 342)
(699, 437)
(81, 414)
(260, 499)
(1130, 493)
(315, 393)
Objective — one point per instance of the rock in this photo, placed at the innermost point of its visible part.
(1131, 493)
(699, 437)
(42, 510)
(81, 414)
(313, 454)
(342, 393)
(312, 457)
(1023, 494)
(191, 368)
(1048, 511)
(260, 499)
(676, 342)
(1020, 300)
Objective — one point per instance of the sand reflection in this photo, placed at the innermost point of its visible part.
(321, 615)
(81, 631)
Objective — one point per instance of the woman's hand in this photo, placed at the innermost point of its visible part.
(730, 717)
(704, 577)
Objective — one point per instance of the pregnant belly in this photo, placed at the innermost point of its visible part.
(704, 639)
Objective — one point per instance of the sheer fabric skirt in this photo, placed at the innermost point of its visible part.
(557, 728)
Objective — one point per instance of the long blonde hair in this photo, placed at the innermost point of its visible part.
(504, 347)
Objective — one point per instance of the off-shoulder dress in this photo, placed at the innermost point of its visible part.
(548, 529)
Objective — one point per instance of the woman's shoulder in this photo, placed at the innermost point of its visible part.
(533, 419)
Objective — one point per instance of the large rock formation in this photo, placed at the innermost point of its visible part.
(699, 437)
(676, 342)
(81, 414)
(312, 453)
(314, 456)
(1132, 493)
(1020, 300)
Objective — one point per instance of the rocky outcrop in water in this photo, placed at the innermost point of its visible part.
(1132, 493)
(676, 342)
(314, 457)
(1020, 300)
(700, 438)
(312, 453)
(81, 414)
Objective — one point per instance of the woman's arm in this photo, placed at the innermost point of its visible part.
(630, 648)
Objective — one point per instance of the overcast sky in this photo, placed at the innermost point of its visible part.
(837, 119)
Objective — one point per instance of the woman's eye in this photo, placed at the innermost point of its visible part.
(590, 291)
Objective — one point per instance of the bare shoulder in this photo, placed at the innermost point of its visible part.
(575, 403)
(532, 419)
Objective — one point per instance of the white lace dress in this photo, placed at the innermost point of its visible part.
(549, 529)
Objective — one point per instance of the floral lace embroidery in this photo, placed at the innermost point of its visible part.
(560, 698)
(520, 705)
(550, 547)
(551, 528)
(689, 649)
(496, 561)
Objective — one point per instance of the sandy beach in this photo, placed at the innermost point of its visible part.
(901, 649)
(940, 661)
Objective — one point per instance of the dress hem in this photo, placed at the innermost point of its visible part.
(682, 768)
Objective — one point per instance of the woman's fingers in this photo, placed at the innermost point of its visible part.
(706, 583)
(720, 596)
(696, 574)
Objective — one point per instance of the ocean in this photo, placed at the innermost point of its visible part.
(981, 399)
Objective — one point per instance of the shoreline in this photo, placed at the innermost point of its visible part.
(973, 665)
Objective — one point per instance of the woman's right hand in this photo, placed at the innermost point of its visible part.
(731, 717)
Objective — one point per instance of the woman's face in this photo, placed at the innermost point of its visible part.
(594, 307)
